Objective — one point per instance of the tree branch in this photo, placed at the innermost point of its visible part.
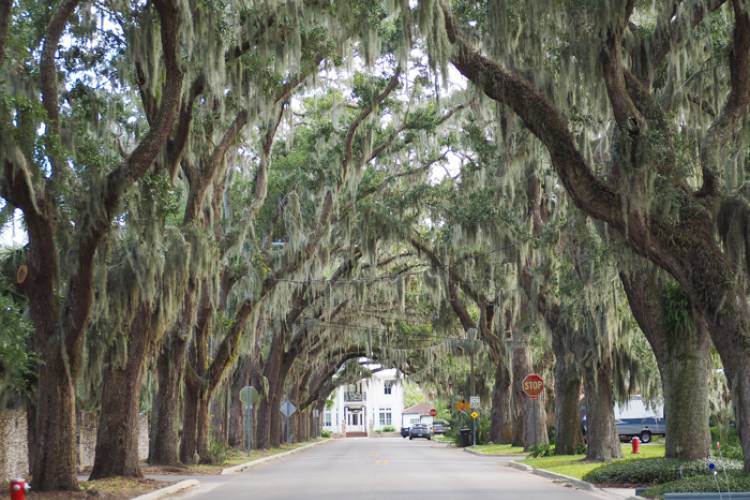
(48, 83)
(354, 126)
(679, 18)
(98, 222)
(730, 118)
(6, 8)
(544, 120)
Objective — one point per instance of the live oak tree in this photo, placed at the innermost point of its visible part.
(68, 189)
(662, 202)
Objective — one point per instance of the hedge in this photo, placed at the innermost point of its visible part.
(730, 481)
(657, 470)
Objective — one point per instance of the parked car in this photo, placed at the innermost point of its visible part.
(420, 431)
(404, 432)
(440, 427)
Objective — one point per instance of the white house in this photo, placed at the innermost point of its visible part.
(362, 408)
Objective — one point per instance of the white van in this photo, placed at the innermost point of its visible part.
(637, 417)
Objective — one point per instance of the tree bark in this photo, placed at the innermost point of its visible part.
(263, 424)
(240, 379)
(567, 396)
(54, 463)
(601, 431)
(501, 427)
(202, 424)
(686, 397)
(683, 358)
(117, 433)
(189, 442)
(165, 419)
(295, 420)
(521, 367)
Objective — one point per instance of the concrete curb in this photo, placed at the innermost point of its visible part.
(169, 490)
(519, 466)
(472, 452)
(239, 468)
(578, 483)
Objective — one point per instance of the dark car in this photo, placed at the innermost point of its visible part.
(420, 431)
(405, 432)
(440, 427)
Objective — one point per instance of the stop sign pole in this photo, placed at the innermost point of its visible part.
(533, 386)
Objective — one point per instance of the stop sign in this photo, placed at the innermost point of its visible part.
(533, 385)
(433, 412)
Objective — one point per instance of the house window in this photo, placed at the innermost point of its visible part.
(388, 386)
(385, 416)
(328, 419)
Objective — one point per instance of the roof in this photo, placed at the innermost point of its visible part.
(420, 409)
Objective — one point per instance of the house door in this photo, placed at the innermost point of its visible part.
(355, 422)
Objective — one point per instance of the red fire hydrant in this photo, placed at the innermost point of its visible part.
(18, 489)
(636, 445)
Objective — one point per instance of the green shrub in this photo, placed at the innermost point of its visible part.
(542, 450)
(730, 442)
(656, 470)
(217, 454)
(581, 448)
(379, 431)
(389, 428)
(326, 434)
(731, 481)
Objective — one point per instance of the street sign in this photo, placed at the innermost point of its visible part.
(433, 412)
(249, 395)
(474, 415)
(533, 385)
(461, 405)
(316, 413)
(287, 408)
(474, 401)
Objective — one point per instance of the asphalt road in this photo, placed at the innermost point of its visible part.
(384, 469)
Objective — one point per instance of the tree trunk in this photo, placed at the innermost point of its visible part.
(202, 420)
(521, 367)
(276, 418)
(567, 396)
(263, 424)
(294, 421)
(601, 431)
(686, 397)
(738, 371)
(536, 423)
(189, 442)
(164, 445)
(501, 429)
(117, 433)
(684, 362)
(240, 379)
(54, 465)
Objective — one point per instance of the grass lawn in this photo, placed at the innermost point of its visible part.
(442, 438)
(497, 449)
(576, 466)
